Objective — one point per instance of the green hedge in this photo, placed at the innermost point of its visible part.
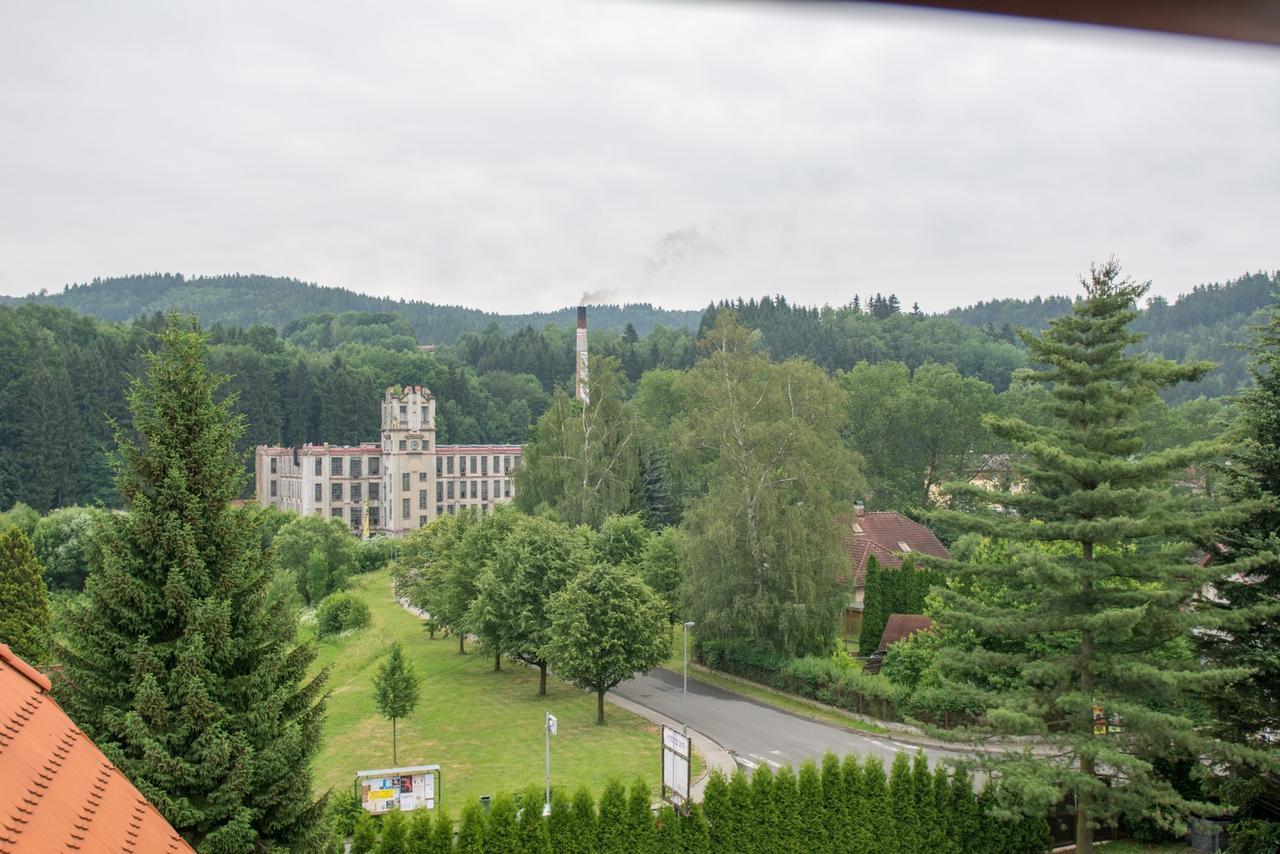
(844, 807)
(340, 612)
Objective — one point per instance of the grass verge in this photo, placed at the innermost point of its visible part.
(484, 729)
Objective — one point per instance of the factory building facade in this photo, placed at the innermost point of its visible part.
(390, 487)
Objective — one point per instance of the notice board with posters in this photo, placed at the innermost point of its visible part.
(403, 789)
(675, 765)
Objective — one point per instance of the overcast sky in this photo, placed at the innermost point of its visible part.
(512, 155)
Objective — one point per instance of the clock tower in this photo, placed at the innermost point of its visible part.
(409, 458)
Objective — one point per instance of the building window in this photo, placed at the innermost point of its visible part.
(497, 489)
(484, 490)
(439, 490)
(335, 466)
(373, 491)
(474, 492)
(335, 492)
(404, 481)
(319, 493)
(425, 417)
(448, 465)
(319, 467)
(422, 499)
(506, 464)
(273, 486)
(404, 508)
(450, 510)
(404, 444)
(473, 465)
(484, 464)
(336, 512)
(273, 465)
(355, 492)
(439, 509)
(439, 466)
(373, 465)
(496, 458)
(357, 463)
(506, 488)
(422, 477)
(373, 517)
(449, 490)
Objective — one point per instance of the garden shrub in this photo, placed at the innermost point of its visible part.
(341, 612)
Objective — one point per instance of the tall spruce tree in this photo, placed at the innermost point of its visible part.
(24, 602)
(1099, 632)
(181, 660)
(1248, 711)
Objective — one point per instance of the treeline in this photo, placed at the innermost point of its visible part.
(841, 807)
(245, 300)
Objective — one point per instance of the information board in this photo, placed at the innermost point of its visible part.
(675, 765)
(403, 789)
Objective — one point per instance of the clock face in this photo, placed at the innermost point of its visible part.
(414, 444)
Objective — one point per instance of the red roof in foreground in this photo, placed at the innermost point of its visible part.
(883, 536)
(57, 791)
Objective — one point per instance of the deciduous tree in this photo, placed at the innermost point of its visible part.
(395, 688)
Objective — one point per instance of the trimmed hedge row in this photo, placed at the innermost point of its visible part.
(843, 807)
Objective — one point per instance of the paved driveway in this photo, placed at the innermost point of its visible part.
(753, 732)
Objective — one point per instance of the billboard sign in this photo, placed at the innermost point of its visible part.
(675, 765)
(402, 789)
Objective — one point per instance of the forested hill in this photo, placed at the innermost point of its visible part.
(244, 300)
(1211, 322)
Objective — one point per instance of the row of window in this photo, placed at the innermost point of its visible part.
(479, 489)
(357, 515)
(354, 466)
(357, 491)
(479, 464)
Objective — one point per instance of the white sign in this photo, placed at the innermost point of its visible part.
(675, 764)
(552, 724)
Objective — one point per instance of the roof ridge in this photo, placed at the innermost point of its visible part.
(41, 681)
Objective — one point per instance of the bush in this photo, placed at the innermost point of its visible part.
(1254, 836)
(341, 612)
(373, 554)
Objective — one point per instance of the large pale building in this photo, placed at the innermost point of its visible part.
(393, 487)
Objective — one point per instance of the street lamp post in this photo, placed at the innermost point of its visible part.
(684, 706)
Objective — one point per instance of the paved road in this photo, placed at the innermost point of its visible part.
(755, 733)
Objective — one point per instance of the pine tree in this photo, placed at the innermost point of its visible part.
(180, 657)
(500, 830)
(584, 822)
(394, 838)
(740, 805)
(1248, 710)
(639, 820)
(420, 830)
(902, 800)
(835, 804)
(1105, 623)
(442, 832)
(611, 832)
(396, 689)
(811, 828)
(716, 809)
(471, 832)
(877, 814)
(364, 837)
(24, 603)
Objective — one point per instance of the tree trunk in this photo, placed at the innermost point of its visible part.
(542, 678)
(394, 756)
(462, 639)
(1084, 833)
(600, 707)
(497, 662)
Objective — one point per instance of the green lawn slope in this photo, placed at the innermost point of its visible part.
(484, 729)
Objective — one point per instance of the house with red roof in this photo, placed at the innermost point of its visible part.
(887, 536)
(58, 792)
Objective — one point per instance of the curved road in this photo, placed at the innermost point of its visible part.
(753, 732)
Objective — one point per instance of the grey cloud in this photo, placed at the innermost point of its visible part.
(511, 155)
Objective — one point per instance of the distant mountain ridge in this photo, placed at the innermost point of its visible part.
(244, 300)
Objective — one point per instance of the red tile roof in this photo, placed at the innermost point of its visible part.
(883, 535)
(902, 626)
(57, 791)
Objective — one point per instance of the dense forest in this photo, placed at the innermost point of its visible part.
(304, 376)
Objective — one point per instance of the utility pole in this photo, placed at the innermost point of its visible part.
(684, 703)
(550, 728)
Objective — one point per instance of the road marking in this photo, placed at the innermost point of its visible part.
(745, 761)
(766, 759)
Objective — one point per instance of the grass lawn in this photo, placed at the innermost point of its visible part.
(484, 729)
(1128, 847)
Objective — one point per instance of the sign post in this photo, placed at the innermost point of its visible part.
(675, 766)
(551, 727)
